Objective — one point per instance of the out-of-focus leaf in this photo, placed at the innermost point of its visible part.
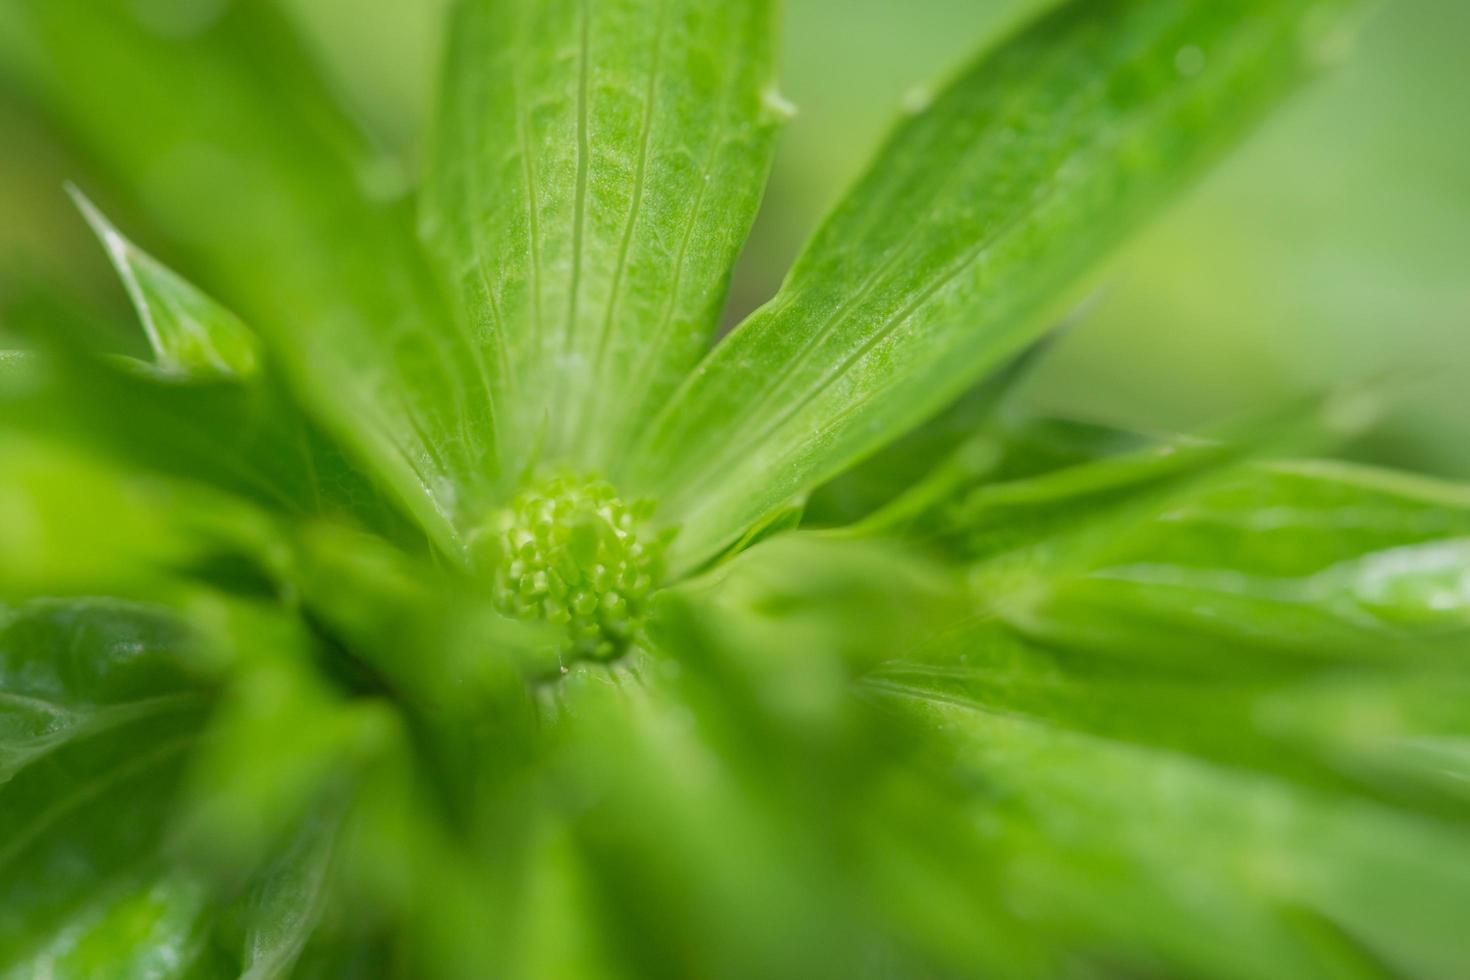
(1006, 450)
(210, 120)
(437, 642)
(566, 933)
(1318, 560)
(73, 669)
(189, 332)
(1072, 504)
(1370, 730)
(437, 646)
(94, 884)
(672, 828)
(97, 711)
(276, 457)
(1403, 732)
(282, 746)
(69, 524)
(73, 525)
(858, 602)
(1088, 836)
(1020, 488)
(757, 659)
(1002, 190)
(286, 905)
(149, 927)
(596, 169)
(917, 455)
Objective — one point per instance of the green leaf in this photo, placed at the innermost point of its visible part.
(848, 604)
(282, 746)
(1406, 733)
(992, 198)
(1388, 732)
(917, 456)
(1074, 505)
(1108, 847)
(596, 168)
(190, 333)
(72, 669)
(1007, 450)
(83, 886)
(153, 927)
(1294, 560)
(285, 906)
(69, 524)
(435, 638)
(213, 124)
(564, 933)
(277, 458)
(681, 853)
(436, 644)
(758, 656)
(1049, 492)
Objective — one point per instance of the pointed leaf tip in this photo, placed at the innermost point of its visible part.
(993, 200)
(190, 333)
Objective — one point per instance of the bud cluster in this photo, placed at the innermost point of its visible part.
(569, 551)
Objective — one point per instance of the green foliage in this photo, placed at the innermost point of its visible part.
(188, 331)
(990, 199)
(458, 607)
(595, 171)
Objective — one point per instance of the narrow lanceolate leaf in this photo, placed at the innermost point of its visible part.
(912, 461)
(190, 333)
(70, 525)
(1280, 565)
(276, 455)
(1295, 883)
(211, 123)
(285, 907)
(281, 748)
(997, 192)
(596, 169)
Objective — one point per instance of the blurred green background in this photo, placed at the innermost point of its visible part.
(1335, 246)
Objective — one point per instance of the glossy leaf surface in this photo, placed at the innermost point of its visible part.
(595, 171)
(189, 332)
(985, 206)
(261, 185)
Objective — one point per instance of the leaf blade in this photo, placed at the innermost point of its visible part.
(1096, 818)
(73, 873)
(190, 333)
(595, 251)
(1260, 568)
(221, 132)
(979, 211)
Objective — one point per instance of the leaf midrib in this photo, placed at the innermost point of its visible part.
(1114, 136)
(90, 790)
(782, 378)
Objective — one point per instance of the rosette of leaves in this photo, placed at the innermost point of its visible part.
(439, 599)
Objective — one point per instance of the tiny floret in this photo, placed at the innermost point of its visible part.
(571, 552)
